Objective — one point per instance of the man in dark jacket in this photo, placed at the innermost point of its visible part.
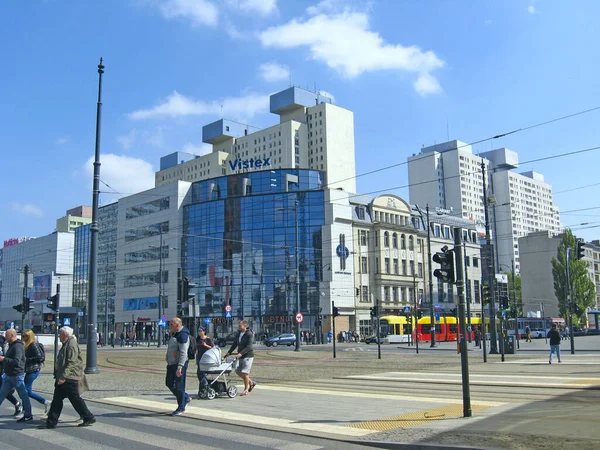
(555, 339)
(14, 373)
(177, 364)
(243, 342)
(10, 397)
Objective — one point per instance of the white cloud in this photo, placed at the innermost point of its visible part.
(345, 43)
(128, 140)
(325, 6)
(177, 105)
(261, 7)
(273, 72)
(62, 140)
(199, 12)
(531, 9)
(327, 94)
(27, 209)
(426, 85)
(201, 149)
(124, 174)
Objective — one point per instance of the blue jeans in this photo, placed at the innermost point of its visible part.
(202, 378)
(29, 379)
(555, 349)
(16, 383)
(177, 385)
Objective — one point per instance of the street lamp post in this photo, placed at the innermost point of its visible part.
(491, 268)
(429, 272)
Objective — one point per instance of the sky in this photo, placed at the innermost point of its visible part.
(413, 72)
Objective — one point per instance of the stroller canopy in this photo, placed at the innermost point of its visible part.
(212, 357)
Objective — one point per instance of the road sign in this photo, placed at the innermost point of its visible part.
(207, 320)
(299, 317)
(437, 317)
(66, 321)
(228, 308)
(407, 310)
(161, 323)
(163, 318)
(12, 325)
(228, 315)
(436, 306)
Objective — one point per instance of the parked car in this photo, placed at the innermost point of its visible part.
(591, 331)
(579, 332)
(226, 340)
(288, 339)
(373, 340)
(538, 333)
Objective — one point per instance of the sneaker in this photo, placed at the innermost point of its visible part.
(550, 362)
(189, 400)
(18, 410)
(251, 386)
(87, 423)
(25, 419)
(47, 404)
(177, 412)
(243, 394)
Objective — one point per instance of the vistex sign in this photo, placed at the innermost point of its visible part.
(251, 163)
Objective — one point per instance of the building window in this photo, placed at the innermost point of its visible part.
(411, 243)
(363, 237)
(147, 208)
(360, 213)
(365, 294)
(420, 270)
(364, 265)
(386, 293)
(395, 294)
(475, 262)
(395, 266)
(477, 291)
(412, 268)
(403, 242)
(386, 239)
(376, 265)
(394, 240)
(387, 265)
(403, 267)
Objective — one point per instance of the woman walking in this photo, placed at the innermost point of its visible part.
(34, 359)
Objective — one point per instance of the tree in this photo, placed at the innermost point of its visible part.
(583, 288)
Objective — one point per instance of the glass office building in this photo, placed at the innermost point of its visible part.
(250, 241)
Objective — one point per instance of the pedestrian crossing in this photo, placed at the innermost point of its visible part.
(121, 428)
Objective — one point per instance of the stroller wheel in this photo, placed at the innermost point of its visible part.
(232, 391)
(211, 394)
(202, 394)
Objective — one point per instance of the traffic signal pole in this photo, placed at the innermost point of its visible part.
(464, 357)
(56, 320)
(333, 325)
(25, 307)
(378, 328)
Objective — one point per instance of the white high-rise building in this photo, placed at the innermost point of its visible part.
(312, 134)
(448, 175)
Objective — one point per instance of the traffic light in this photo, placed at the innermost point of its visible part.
(373, 311)
(580, 249)
(336, 311)
(187, 294)
(53, 302)
(19, 307)
(485, 294)
(504, 302)
(27, 305)
(445, 259)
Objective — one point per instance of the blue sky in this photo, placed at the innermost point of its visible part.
(413, 72)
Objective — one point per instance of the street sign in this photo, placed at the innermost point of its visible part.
(12, 325)
(228, 308)
(66, 321)
(161, 323)
(163, 318)
(437, 317)
(299, 317)
(436, 306)
(228, 315)
(207, 320)
(407, 310)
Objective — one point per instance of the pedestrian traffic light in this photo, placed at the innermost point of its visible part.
(373, 311)
(188, 286)
(19, 307)
(445, 259)
(485, 294)
(580, 249)
(336, 311)
(53, 302)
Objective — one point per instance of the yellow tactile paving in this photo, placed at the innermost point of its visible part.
(416, 418)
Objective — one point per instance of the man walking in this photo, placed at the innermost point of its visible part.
(177, 364)
(203, 343)
(243, 342)
(14, 373)
(555, 339)
(69, 381)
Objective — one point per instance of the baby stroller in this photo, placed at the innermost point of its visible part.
(217, 375)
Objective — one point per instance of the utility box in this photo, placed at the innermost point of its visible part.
(509, 345)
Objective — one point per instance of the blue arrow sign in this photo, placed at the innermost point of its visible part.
(66, 321)
(437, 317)
(228, 314)
(161, 323)
(207, 320)
(407, 310)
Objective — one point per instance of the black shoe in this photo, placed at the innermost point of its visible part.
(47, 425)
(25, 419)
(18, 410)
(87, 423)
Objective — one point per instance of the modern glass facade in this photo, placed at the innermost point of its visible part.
(107, 263)
(81, 263)
(240, 245)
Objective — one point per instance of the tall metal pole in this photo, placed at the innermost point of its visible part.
(491, 268)
(378, 323)
(483, 333)
(25, 303)
(468, 294)
(332, 327)
(160, 289)
(464, 357)
(413, 326)
(106, 303)
(91, 355)
(571, 303)
(514, 286)
(56, 321)
(297, 349)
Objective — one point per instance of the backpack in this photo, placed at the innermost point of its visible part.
(191, 352)
(41, 347)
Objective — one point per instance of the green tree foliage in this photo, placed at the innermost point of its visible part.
(583, 288)
(511, 294)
